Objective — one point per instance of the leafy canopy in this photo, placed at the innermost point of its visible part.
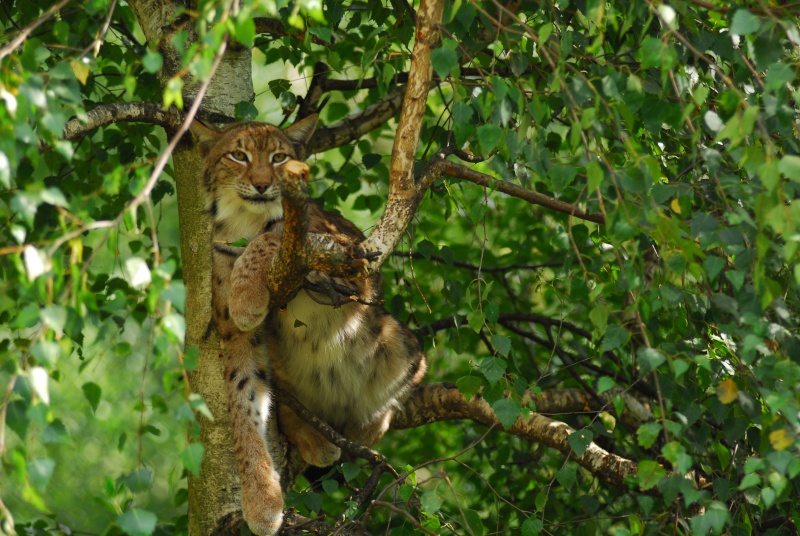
(676, 123)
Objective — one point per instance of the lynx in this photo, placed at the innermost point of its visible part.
(350, 365)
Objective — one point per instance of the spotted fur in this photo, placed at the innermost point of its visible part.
(350, 365)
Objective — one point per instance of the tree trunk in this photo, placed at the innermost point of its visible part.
(214, 494)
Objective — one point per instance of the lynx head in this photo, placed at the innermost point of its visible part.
(242, 162)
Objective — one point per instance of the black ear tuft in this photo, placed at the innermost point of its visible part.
(300, 133)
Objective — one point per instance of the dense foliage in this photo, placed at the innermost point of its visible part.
(670, 128)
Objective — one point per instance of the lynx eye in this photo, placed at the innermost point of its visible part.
(279, 158)
(239, 156)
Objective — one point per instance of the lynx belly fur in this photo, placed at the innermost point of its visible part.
(349, 365)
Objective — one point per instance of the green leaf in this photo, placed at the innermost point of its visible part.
(136, 522)
(580, 440)
(647, 434)
(744, 22)
(371, 160)
(468, 386)
(594, 176)
(244, 29)
(322, 33)
(192, 457)
(502, 344)
(313, 501)
(444, 61)
(507, 411)
(92, 392)
(604, 384)
(330, 485)
(245, 111)
(40, 471)
(713, 266)
(462, 113)
(46, 352)
(532, 527)
(350, 470)
(493, 368)
(475, 320)
(431, 501)
(789, 166)
(278, 86)
(489, 136)
(676, 454)
(649, 359)
(567, 476)
(140, 480)
(656, 53)
(288, 101)
(616, 336)
(492, 312)
(649, 474)
(562, 176)
(426, 248)
(152, 62)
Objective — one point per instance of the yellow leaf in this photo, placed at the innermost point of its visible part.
(780, 439)
(727, 391)
(81, 71)
(675, 206)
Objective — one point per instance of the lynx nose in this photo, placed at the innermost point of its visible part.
(261, 187)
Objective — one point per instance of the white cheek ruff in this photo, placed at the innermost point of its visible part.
(243, 219)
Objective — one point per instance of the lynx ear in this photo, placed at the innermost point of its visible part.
(300, 133)
(204, 136)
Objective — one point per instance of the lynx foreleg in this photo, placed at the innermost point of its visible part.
(250, 296)
(249, 398)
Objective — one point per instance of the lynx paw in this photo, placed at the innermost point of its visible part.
(294, 183)
(322, 454)
(246, 312)
(262, 509)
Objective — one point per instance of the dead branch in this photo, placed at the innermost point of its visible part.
(440, 402)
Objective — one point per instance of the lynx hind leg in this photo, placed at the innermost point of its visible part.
(399, 365)
(249, 400)
(249, 296)
(313, 447)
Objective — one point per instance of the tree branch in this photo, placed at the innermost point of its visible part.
(438, 167)
(439, 402)
(267, 25)
(354, 126)
(403, 197)
(25, 32)
(132, 112)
